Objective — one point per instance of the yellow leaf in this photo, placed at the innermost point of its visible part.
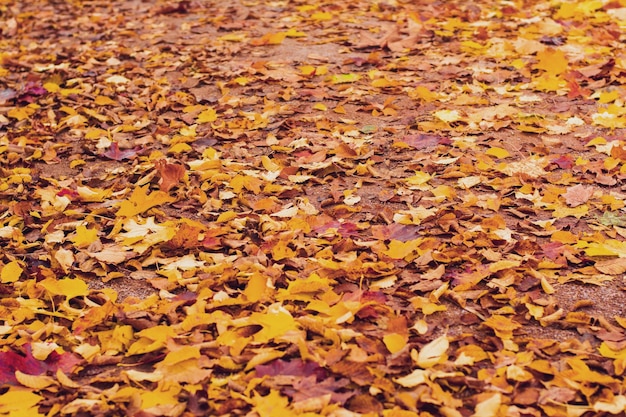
(20, 113)
(553, 61)
(498, 152)
(117, 79)
(517, 373)
(400, 250)
(104, 101)
(35, 382)
(41, 350)
(264, 356)
(608, 119)
(51, 87)
(226, 216)
(606, 97)
(616, 406)
(242, 81)
(502, 265)
(611, 266)
(282, 251)
(294, 33)
(141, 201)
(179, 148)
(77, 162)
(395, 342)
(272, 405)
(95, 133)
(69, 287)
(488, 407)
(607, 352)
(596, 141)
(419, 178)
(423, 93)
(182, 354)
(84, 237)
(344, 78)
(448, 116)
(256, 288)
(415, 378)
(610, 247)
(270, 164)
(307, 70)
(151, 339)
(93, 195)
(426, 306)
(321, 16)
(139, 376)
(87, 351)
(276, 321)
(320, 106)
(470, 354)
(564, 236)
(16, 400)
(384, 83)
(153, 398)
(11, 272)
(65, 258)
(65, 381)
(432, 353)
(233, 37)
(563, 211)
(269, 39)
(546, 82)
(502, 326)
(314, 283)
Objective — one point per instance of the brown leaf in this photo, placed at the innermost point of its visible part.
(611, 266)
(578, 194)
(171, 174)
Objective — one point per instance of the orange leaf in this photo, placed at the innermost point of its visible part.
(553, 61)
(502, 326)
(269, 39)
(171, 174)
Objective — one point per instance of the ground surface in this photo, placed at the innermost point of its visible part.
(312, 208)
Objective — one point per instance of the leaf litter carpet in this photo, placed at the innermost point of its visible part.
(271, 208)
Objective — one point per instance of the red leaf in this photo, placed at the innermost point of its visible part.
(422, 141)
(345, 229)
(553, 250)
(72, 194)
(564, 161)
(309, 387)
(11, 361)
(396, 231)
(115, 153)
(294, 367)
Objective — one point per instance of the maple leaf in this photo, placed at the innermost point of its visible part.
(578, 194)
(170, 174)
(553, 61)
(141, 201)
